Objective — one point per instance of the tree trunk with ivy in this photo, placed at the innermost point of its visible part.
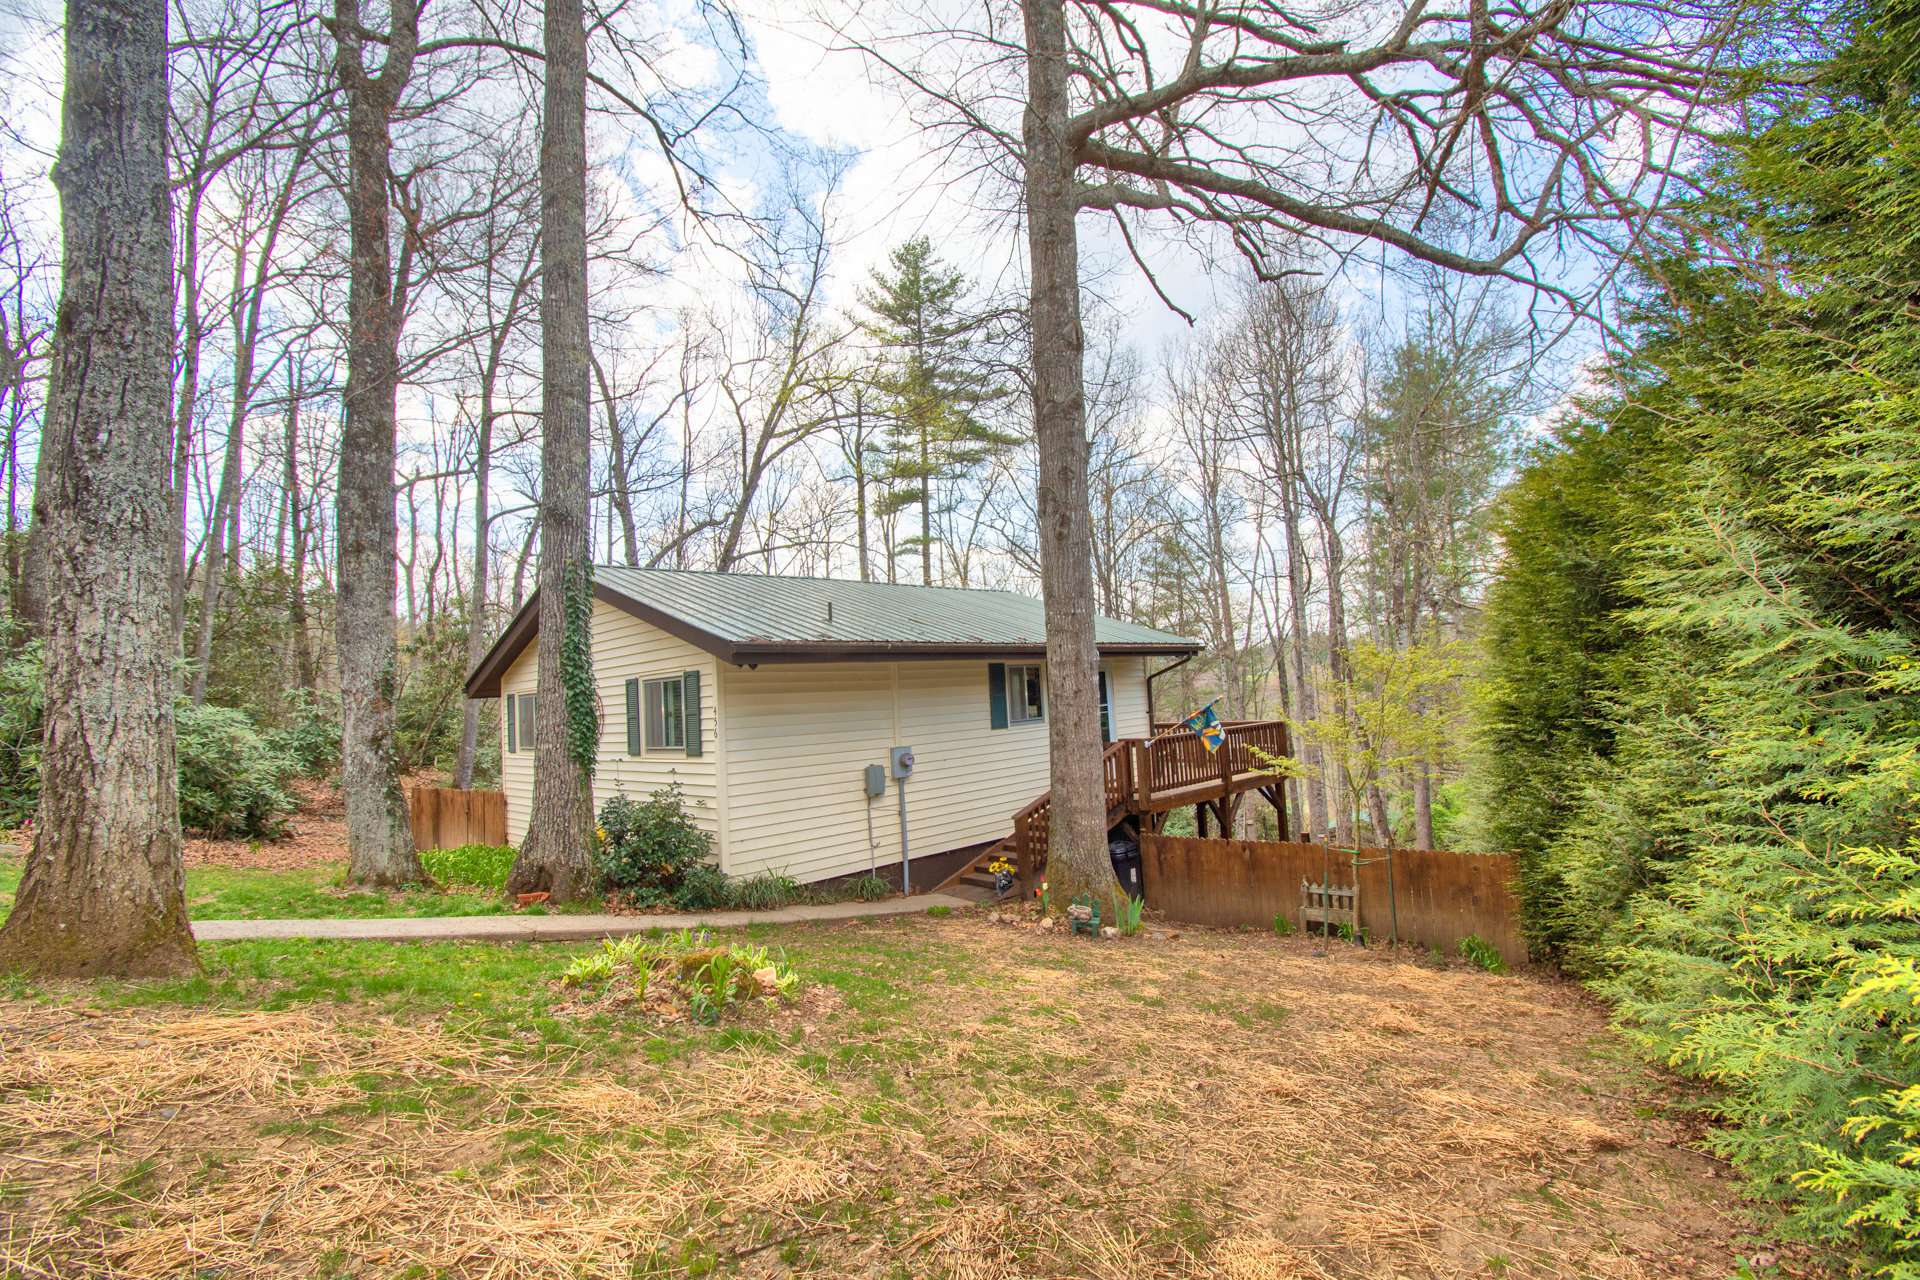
(557, 856)
(102, 891)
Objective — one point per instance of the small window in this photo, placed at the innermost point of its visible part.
(666, 715)
(1025, 695)
(527, 734)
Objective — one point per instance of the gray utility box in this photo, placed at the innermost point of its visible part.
(876, 780)
(902, 762)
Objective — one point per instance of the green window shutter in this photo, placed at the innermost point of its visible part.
(633, 717)
(513, 742)
(690, 707)
(997, 695)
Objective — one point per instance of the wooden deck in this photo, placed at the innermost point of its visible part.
(1148, 778)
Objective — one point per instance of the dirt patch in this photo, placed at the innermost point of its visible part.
(316, 832)
(985, 1102)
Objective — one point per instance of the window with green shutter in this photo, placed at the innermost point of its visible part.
(690, 703)
(633, 718)
(666, 725)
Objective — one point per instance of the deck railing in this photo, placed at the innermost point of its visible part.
(1146, 774)
(1177, 760)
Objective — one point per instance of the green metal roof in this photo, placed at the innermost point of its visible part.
(754, 609)
(748, 618)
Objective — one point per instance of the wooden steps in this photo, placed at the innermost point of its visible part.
(974, 875)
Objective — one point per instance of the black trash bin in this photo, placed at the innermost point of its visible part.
(1124, 851)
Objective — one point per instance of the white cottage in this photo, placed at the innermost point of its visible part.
(766, 699)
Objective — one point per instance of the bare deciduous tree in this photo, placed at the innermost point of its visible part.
(556, 856)
(1481, 141)
(379, 833)
(103, 890)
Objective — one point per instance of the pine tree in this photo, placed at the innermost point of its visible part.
(936, 385)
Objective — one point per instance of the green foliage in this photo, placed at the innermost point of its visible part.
(866, 888)
(653, 853)
(1702, 732)
(702, 887)
(1482, 954)
(427, 713)
(936, 383)
(576, 667)
(232, 781)
(766, 891)
(1390, 710)
(251, 665)
(1281, 925)
(311, 736)
(1126, 911)
(474, 866)
(21, 707)
(710, 979)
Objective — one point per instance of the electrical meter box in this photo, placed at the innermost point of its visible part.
(876, 780)
(902, 763)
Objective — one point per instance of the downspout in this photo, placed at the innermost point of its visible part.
(1155, 675)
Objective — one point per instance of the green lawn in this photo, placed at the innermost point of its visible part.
(940, 1098)
(229, 893)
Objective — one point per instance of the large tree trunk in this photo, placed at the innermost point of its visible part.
(103, 889)
(557, 856)
(379, 837)
(1078, 819)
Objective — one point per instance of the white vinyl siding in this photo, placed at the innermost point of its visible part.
(625, 648)
(779, 782)
(800, 736)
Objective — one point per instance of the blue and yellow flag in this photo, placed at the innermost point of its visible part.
(1205, 723)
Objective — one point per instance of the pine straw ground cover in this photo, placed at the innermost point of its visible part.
(942, 1098)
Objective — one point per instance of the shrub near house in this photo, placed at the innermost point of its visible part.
(652, 855)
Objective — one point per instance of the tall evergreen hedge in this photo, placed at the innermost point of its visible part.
(1702, 734)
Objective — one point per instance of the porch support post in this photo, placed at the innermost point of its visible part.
(1022, 859)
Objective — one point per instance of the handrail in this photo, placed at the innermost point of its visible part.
(1136, 771)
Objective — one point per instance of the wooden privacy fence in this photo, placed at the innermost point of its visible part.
(1441, 896)
(444, 818)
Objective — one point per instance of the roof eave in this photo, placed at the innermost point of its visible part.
(747, 654)
(484, 681)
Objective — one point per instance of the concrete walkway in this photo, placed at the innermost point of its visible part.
(553, 928)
